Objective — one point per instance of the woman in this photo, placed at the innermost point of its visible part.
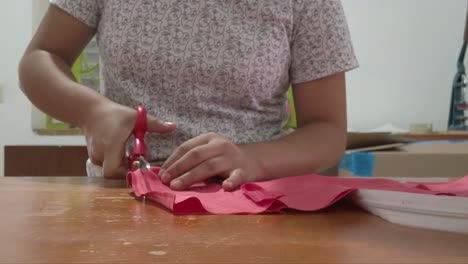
(218, 70)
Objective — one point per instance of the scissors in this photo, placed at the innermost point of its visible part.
(136, 157)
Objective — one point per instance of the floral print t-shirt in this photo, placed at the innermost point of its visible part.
(219, 66)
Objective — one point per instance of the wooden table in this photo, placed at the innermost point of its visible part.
(86, 220)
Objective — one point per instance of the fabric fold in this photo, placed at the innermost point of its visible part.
(303, 193)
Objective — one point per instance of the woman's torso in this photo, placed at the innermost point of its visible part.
(208, 66)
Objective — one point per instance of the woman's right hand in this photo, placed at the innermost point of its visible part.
(47, 80)
(107, 130)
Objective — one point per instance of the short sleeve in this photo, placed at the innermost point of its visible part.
(321, 43)
(87, 11)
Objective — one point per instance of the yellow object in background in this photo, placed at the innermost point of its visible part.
(292, 123)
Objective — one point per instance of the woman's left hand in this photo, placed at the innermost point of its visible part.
(206, 156)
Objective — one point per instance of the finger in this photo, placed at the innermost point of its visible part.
(190, 160)
(119, 173)
(94, 159)
(184, 148)
(94, 156)
(207, 169)
(236, 178)
(156, 125)
(113, 166)
(93, 170)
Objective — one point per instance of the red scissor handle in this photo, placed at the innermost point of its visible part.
(139, 132)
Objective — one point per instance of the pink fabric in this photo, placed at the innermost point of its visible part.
(304, 193)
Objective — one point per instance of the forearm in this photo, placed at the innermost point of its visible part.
(47, 81)
(310, 149)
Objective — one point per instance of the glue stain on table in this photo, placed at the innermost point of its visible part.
(157, 253)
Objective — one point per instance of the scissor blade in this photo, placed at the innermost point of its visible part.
(145, 166)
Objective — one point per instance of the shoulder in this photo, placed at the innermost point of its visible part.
(318, 8)
(87, 11)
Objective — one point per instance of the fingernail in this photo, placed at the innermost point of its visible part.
(228, 185)
(168, 124)
(176, 184)
(161, 172)
(165, 177)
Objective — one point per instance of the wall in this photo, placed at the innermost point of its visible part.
(15, 110)
(407, 51)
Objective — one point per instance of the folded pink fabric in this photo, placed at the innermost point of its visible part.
(304, 193)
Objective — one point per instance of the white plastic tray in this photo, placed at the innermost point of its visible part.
(446, 213)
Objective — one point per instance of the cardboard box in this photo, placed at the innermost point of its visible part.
(358, 140)
(429, 159)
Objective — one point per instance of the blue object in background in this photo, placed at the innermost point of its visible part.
(359, 163)
(435, 142)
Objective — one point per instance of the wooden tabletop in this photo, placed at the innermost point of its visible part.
(89, 220)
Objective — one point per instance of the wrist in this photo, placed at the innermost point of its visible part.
(92, 112)
(280, 158)
(103, 108)
(257, 162)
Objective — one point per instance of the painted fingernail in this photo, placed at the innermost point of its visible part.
(176, 184)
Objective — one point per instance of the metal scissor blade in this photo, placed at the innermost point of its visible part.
(145, 166)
